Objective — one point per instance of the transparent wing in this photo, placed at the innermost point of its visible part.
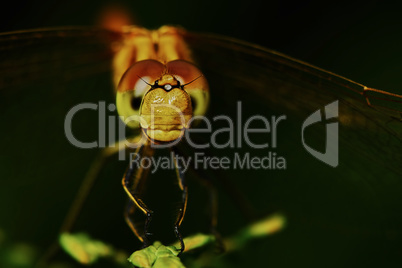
(357, 203)
(290, 86)
(45, 73)
(33, 55)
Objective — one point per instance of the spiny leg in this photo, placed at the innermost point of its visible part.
(210, 182)
(83, 192)
(133, 183)
(184, 198)
(213, 204)
(229, 186)
(235, 194)
(131, 206)
(138, 230)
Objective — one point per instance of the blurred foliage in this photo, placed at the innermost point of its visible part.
(88, 251)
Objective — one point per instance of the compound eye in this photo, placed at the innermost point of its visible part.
(136, 103)
(195, 83)
(199, 101)
(134, 84)
(193, 103)
(129, 103)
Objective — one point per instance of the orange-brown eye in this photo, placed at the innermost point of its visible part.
(193, 102)
(136, 102)
(194, 83)
(134, 84)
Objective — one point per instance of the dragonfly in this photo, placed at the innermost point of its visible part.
(46, 72)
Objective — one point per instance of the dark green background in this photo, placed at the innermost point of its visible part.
(359, 41)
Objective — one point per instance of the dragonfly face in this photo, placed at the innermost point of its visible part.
(166, 109)
(158, 93)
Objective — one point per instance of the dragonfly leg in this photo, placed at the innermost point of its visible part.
(133, 183)
(213, 203)
(82, 194)
(183, 205)
(219, 178)
(129, 216)
(235, 194)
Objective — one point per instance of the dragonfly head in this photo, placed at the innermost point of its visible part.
(166, 110)
(162, 99)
